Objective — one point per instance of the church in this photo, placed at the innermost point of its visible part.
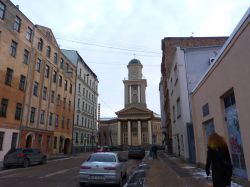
(135, 124)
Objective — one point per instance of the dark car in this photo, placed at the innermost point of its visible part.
(136, 152)
(24, 157)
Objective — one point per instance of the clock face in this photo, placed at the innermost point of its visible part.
(134, 72)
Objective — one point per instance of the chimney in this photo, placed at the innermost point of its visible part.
(17, 6)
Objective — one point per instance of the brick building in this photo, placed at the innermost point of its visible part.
(37, 86)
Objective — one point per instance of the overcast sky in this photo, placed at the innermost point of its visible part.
(107, 34)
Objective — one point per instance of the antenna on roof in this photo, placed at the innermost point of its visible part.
(134, 55)
(192, 34)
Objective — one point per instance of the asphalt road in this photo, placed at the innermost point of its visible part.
(56, 173)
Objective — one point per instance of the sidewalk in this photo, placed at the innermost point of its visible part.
(170, 171)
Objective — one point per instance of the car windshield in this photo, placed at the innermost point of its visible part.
(101, 158)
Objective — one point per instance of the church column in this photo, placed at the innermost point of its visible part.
(119, 133)
(130, 95)
(139, 132)
(149, 132)
(129, 132)
(139, 94)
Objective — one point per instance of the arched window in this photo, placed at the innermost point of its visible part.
(40, 44)
(48, 52)
(55, 58)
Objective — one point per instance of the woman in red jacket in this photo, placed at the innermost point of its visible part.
(218, 156)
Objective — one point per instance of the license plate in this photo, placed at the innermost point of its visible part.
(96, 177)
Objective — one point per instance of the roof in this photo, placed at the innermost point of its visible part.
(74, 56)
(223, 49)
(134, 61)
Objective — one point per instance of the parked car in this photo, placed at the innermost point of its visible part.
(103, 168)
(102, 149)
(136, 152)
(23, 157)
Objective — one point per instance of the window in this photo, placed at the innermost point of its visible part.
(76, 140)
(176, 74)
(67, 67)
(47, 71)
(70, 88)
(2, 12)
(64, 102)
(22, 83)
(35, 89)
(80, 72)
(55, 142)
(54, 76)
(174, 114)
(52, 100)
(42, 116)
(18, 111)
(81, 138)
(14, 140)
(44, 93)
(40, 44)
(50, 118)
(178, 108)
(61, 63)
(82, 121)
(63, 122)
(29, 34)
(60, 80)
(69, 105)
(77, 120)
(13, 48)
(17, 24)
(205, 110)
(229, 100)
(32, 114)
(83, 91)
(55, 58)
(79, 88)
(56, 120)
(8, 76)
(65, 85)
(38, 65)
(1, 139)
(83, 106)
(26, 56)
(3, 108)
(48, 51)
(58, 99)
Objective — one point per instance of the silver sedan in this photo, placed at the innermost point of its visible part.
(103, 168)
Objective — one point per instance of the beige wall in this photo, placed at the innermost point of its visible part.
(232, 71)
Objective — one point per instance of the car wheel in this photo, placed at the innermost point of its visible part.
(6, 166)
(44, 160)
(82, 184)
(26, 163)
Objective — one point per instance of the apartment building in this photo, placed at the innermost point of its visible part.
(37, 86)
(16, 38)
(86, 99)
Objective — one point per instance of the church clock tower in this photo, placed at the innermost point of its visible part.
(135, 86)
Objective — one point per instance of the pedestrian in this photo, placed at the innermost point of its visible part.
(218, 156)
(154, 151)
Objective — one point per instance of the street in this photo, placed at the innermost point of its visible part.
(56, 173)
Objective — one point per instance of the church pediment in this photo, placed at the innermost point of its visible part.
(134, 111)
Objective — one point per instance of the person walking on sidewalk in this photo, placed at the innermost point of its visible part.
(154, 151)
(218, 156)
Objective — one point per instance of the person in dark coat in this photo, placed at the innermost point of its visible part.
(218, 156)
(154, 151)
